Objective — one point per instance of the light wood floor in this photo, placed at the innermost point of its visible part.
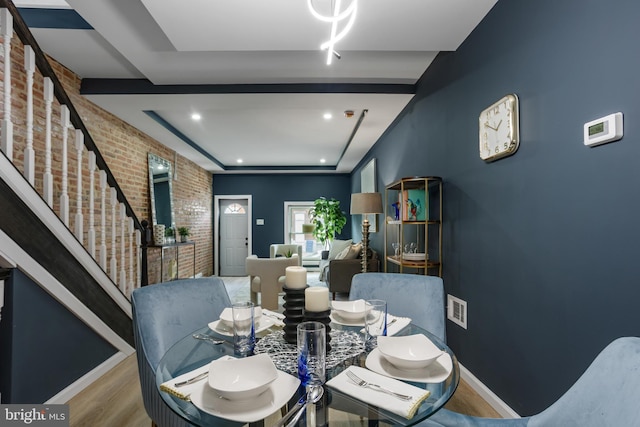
(115, 401)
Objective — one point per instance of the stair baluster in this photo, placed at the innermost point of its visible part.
(48, 176)
(29, 155)
(79, 229)
(103, 220)
(64, 196)
(91, 236)
(6, 24)
(123, 275)
(113, 267)
(132, 250)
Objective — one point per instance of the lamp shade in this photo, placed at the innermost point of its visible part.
(366, 203)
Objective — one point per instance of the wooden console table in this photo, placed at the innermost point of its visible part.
(176, 245)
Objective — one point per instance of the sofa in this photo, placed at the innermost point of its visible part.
(278, 250)
(345, 261)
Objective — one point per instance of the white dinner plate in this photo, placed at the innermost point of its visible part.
(227, 315)
(262, 323)
(436, 372)
(335, 318)
(249, 410)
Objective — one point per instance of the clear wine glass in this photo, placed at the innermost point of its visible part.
(396, 248)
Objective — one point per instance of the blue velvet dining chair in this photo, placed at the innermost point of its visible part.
(416, 296)
(162, 315)
(606, 395)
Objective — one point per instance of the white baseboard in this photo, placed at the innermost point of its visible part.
(64, 395)
(492, 399)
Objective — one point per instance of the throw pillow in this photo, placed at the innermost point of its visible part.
(354, 251)
(338, 246)
(344, 253)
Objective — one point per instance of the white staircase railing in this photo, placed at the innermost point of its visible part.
(40, 165)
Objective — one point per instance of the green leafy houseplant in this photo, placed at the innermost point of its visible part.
(328, 219)
(184, 233)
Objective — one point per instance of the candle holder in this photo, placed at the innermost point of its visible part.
(293, 312)
(322, 317)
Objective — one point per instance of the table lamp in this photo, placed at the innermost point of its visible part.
(365, 204)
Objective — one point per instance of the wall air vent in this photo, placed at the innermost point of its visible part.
(457, 311)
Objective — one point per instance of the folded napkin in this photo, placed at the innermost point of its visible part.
(399, 323)
(404, 408)
(276, 318)
(394, 324)
(184, 391)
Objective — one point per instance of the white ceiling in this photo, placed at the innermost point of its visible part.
(254, 71)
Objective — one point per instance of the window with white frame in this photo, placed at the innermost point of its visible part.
(296, 215)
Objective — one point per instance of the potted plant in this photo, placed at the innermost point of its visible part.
(184, 233)
(169, 236)
(328, 219)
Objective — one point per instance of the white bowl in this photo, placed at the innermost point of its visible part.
(408, 352)
(417, 256)
(226, 317)
(349, 310)
(237, 379)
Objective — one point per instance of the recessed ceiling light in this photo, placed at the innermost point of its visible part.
(323, 160)
(327, 116)
(239, 160)
(196, 116)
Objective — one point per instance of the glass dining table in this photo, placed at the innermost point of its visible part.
(334, 408)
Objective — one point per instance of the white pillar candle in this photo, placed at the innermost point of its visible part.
(316, 299)
(296, 277)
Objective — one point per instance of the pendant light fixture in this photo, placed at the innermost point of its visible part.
(337, 16)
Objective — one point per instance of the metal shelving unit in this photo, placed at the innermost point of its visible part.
(418, 222)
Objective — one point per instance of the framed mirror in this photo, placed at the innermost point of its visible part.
(161, 191)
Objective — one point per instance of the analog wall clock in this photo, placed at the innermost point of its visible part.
(499, 131)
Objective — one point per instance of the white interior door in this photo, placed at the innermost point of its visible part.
(234, 236)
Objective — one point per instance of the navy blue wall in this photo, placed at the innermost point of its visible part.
(543, 245)
(44, 347)
(270, 191)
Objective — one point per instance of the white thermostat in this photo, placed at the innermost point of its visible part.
(605, 129)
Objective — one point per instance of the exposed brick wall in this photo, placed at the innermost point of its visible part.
(125, 151)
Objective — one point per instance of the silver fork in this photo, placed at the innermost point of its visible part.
(362, 383)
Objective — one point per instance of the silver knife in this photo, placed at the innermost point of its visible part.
(192, 380)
